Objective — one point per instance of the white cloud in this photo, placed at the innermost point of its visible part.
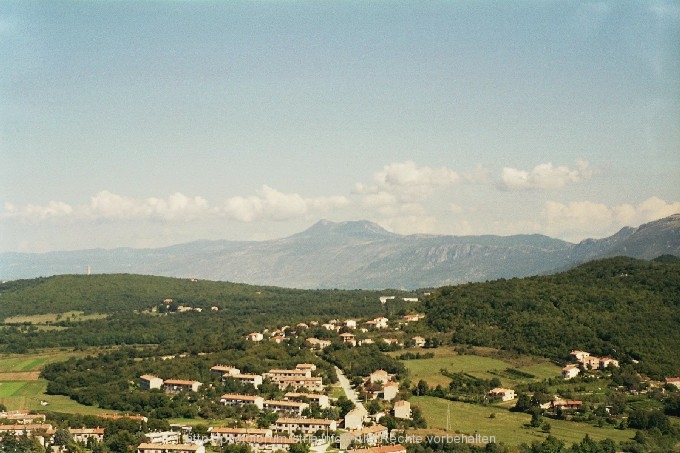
(267, 203)
(406, 182)
(545, 176)
(577, 218)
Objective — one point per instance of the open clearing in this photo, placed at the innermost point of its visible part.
(28, 394)
(482, 367)
(46, 318)
(508, 427)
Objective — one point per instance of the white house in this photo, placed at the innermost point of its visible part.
(402, 409)
(570, 371)
(502, 393)
(232, 399)
(149, 381)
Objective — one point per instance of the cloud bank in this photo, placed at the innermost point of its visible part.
(545, 176)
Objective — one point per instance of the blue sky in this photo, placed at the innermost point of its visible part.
(146, 124)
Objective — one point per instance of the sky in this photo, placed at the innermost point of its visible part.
(152, 123)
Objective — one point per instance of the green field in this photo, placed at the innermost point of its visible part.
(36, 361)
(508, 427)
(28, 394)
(47, 318)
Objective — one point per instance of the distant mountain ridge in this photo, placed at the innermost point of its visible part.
(356, 254)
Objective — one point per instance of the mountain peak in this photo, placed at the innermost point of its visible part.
(359, 229)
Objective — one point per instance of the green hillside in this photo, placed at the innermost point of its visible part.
(626, 308)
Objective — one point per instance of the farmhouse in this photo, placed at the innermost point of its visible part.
(502, 393)
(231, 399)
(608, 361)
(579, 355)
(419, 342)
(255, 336)
(149, 381)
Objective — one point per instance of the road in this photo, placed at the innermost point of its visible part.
(349, 391)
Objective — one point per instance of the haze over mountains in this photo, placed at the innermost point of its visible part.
(356, 254)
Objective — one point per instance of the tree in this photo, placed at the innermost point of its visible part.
(523, 403)
(62, 437)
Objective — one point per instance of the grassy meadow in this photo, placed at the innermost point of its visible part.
(508, 427)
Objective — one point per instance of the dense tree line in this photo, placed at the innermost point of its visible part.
(626, 308)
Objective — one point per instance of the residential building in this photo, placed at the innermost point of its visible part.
(578, 355)
(410, 318)
(276, 374)
(378, 323)
(306, 366)
(402, 409)
(149, 382)
(397, 448)
(162, 437)
(314, 384)
(82, 435)
(225, 370)
(608, 361)
(28, 429)
(146, 447)
(286, 407)
(316, 343)
(571, 405)
(379, 376)
(410, 299)
(304, 425)
(370, 435)
(502, 393)
(22, 416)
(419, 342)
(354, 419)
(275, 443)
(254, 379)
(350, 324)
(232, 399)
(222, 434)
(570, 371)
(178, 385)
(255, 336)
(348, 338)
(322, 400)
(135, 417)
(390, 390)
(673, 381)
(590, 362)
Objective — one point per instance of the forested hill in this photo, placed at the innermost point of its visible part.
(622, 307)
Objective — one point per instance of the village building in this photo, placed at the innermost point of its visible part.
(502, 394)
(306, 366)
(370, 435)
(321, 400)
(275, 443)
(348, 338)
(254, 379)
(146, 447)
(379, 376)
(276, 374)
(402, 409)
(316, 343)
(390, 390)
(570, 371)
(221, 434)
(354, 419)
(397, 448)
(149, 382)
(607, 362)
(162, 437)
(255, 336)
(225, 370)
(675, 381)
(232, 399)
(286, 407)
(304, 425)
(83, 435)
(22, 416)
(350, 324)
(314, 384)
(579, 355)
(419, 342)
(178, 385)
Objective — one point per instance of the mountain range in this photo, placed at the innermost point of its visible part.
(356, 254)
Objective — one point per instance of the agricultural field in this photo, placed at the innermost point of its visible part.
(508, 427)
(476, 365)
(48, 318)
